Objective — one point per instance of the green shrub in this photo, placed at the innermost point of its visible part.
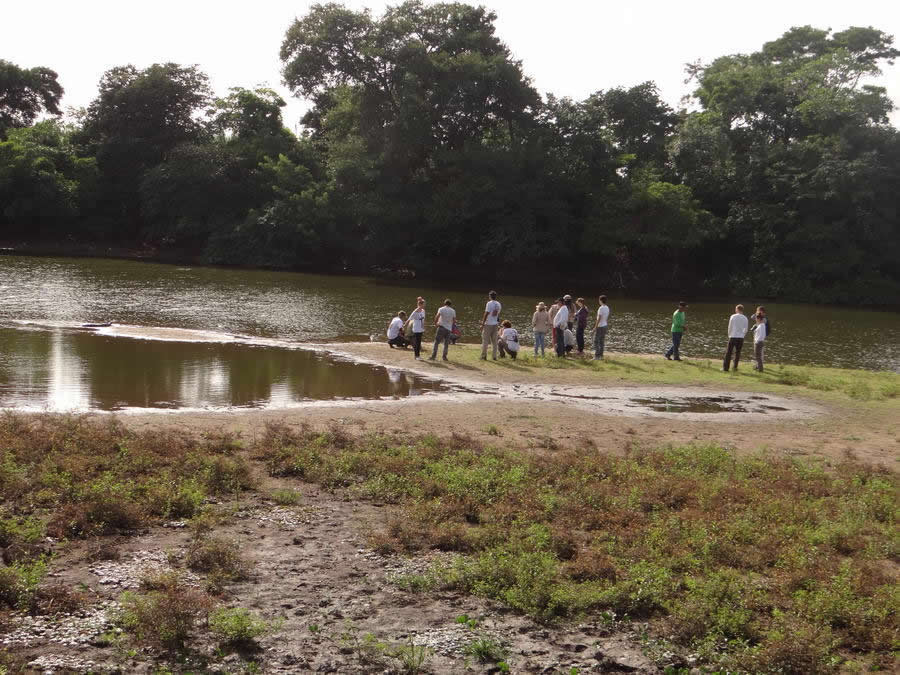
(164, 617)
(237, 626)
(220, 559)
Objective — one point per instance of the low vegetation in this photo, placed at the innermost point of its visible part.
(843, 383)
(757, 562)
(754, 563)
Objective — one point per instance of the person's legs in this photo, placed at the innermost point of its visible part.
(485, 340)
(579, 339)
(539, 343)
(512, 355)
(441, 334)
(417, 343)
(560, 336)
(494, 331)
(447, 335)
(758, 353)
(600, 341)
(501, 347)
(732, 342)
(738, 345)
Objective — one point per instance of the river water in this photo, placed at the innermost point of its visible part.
(46, 361)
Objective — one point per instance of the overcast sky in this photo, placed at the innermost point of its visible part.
(567, 47)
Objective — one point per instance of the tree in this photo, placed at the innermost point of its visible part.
(138, 118)
(25, 93)
(43, 183)
(426, 77)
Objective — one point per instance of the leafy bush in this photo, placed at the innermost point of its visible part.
(237, 626)
(164, 617)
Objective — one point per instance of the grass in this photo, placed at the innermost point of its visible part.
(846, 384)
(731, 557)
(753, 563)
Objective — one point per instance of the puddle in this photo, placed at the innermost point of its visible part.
(705, 404)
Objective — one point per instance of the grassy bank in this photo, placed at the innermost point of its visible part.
(756, 563)
(840, 383)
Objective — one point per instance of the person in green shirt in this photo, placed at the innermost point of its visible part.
(677, 331)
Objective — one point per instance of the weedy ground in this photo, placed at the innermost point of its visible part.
(741, 563)
(816, 381)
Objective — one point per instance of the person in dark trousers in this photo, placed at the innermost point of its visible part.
(417, 319)
(600, 328)
(737, 329)
(395, 333)
(581, 319)
(560, 325)
(677, 331)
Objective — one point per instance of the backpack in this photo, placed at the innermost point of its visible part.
(768, 328)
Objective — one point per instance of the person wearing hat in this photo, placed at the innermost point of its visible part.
(541, 323)
(677, 331)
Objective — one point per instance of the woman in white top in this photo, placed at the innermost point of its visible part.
(509, 341)
(417, 319)
(760, 333)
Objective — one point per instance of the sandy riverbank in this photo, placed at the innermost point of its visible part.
(532, 407)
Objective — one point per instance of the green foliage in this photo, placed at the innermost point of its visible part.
(720, 552)
(237, 626)
(166, 616)
(25, 93)
(486, 649)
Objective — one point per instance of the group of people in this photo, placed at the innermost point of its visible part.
(565, 322)
(562, 327)
(738, 325)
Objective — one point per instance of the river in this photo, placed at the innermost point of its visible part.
(47, 362)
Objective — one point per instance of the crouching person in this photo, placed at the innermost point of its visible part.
(395, 333)
(509, 341)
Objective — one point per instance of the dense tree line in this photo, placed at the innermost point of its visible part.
(427, 148)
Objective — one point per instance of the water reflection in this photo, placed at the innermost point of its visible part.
(312, 308)
(62, 369)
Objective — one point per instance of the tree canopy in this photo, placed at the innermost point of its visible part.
(426, 147)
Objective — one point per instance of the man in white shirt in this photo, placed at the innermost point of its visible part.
(737, 329)
(395, 335)
(489, 326)
(600, 328)
(444, 322)
(560, 324)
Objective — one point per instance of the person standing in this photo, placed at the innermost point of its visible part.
(762, 310)
(760, 333)
(554, 308)
(395, 335)
(489, 326)
(444, 319)
(737, 329)
(541, 324)
(581, 318)
(560, 324)
(677, 331)
(600, 328)
(417, 319)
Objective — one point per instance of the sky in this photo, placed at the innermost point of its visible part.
(567, 47)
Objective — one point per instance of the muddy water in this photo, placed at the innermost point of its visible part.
(109, 371)
(67, 369)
